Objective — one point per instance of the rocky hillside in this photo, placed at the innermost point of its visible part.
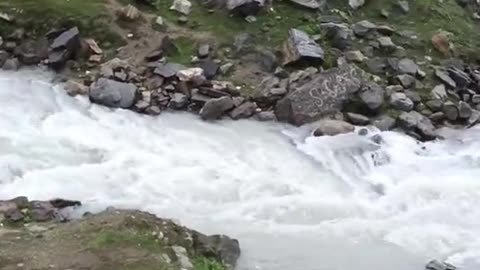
(38, 235)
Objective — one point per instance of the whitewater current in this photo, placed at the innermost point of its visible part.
(295, 202)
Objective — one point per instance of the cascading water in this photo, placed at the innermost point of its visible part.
(293, 201)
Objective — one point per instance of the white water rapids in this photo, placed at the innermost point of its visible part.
(294, 202)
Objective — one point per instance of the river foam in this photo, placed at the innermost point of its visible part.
(293, 201)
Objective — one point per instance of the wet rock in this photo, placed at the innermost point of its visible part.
(74, 88)
(215, 108)
(401, 102)
(384, 123)
(300, 48)
(11, 64)
(64, 47)
(445, 78)
(407, 66)
(112, 93)
(474, 118)
(182, 6)
(363, 28)
(372, 95)
(439, 92)
(32, 52)
(332, 128)
(153, 110)
(245, 110)
(357, 119)
(266, 116)
(3, 57)
(326, 93)
(415, 122)
(63, 203)
(245, 8)
(450, 110)
(464, 110)
(437, 265)
(355, 4)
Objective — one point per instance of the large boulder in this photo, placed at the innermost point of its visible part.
(418, 123)
(332, 128)
(244, 110)
(301, 49)
(112, 93)
(324, 94)
(216, 107)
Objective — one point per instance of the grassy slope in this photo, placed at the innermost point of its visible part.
(40, 16)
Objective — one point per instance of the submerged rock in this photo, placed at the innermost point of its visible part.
(332, 128)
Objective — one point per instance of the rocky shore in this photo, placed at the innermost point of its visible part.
(371, 81)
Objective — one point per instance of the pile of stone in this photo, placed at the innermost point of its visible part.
(20, 210)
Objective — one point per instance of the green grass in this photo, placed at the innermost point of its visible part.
(202, 263)
(426, 17)
(125, 238)
(40, 16)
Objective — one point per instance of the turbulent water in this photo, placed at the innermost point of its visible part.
(295, 202)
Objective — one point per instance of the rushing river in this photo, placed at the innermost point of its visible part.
(295, 202)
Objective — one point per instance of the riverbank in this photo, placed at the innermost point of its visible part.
(364, 72)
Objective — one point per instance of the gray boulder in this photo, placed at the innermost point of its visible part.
(112, 93)
(64, 47)
(363, 28)
(324, 94)
(300, 48)
(435, 105)
(420, 124)
(464, 110)
(407, 66)
(11, 64)
(384, 123)
(244, 110)
(372, 95)
(216, 107)
(401, 102)
(178, 101)
(332, 128)
(450, 110)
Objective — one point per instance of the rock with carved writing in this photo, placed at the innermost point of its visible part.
(325, 94)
